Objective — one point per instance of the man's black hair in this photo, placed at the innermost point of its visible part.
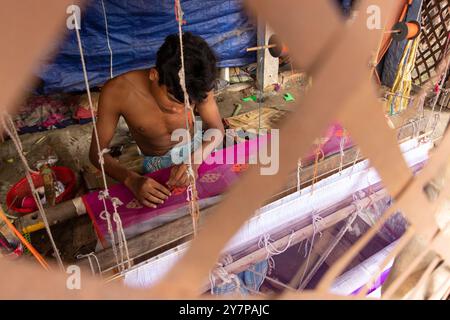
(199, 64)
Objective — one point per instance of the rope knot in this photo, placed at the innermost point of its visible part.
(189, 193)
(101, 153)
(103, 194)
(116, 202)
(317, 220)
(266, 242)
(104, 215)
(299, 173)
(225, 277)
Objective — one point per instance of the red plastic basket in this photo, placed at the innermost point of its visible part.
(22, 189)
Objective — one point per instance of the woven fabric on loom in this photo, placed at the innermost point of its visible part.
(296, 209)
(213, 180)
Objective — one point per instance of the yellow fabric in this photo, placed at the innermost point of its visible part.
(399, 95)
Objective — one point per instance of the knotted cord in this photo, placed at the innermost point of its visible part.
(104, 194)
(299, 175)
(316, 219)
(191, 191)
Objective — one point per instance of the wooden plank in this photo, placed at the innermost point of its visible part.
(150, 241)
(267, 66)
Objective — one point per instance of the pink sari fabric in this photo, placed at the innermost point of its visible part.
(213, 179)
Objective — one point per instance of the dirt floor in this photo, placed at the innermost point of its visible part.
(70, 145)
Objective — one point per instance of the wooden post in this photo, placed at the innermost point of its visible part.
(267, 66)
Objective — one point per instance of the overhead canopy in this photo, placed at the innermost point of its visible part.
(136, 30)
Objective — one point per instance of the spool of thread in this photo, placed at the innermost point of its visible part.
(406, 30)
(276, 47)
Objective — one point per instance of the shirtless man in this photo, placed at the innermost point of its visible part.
(151, 102)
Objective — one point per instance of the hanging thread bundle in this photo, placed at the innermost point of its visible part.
(192, 195)
(104, 195)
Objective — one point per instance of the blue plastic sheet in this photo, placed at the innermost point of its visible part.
(137, 29)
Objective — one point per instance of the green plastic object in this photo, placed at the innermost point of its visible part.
(288, 97)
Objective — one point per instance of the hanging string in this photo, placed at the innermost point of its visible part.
(105, 215)
(27, 244)
(192, 195)
(10, 129)
(358, 151)
(123, 245)
(341, 150)
(260, 94)
(89, 256)
(319, 157)
(336, 240)
(105, 193)
(271, 250)
(316, 220)
(107, 41)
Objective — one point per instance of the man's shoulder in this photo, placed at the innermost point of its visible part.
(117, 92)
(125, 82)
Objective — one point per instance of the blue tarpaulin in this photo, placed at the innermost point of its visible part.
(137, 29)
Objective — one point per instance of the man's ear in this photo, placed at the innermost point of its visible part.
(153, 74)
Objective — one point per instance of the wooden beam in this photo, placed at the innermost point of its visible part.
(301, 234)
(267, 66)
(60, 212)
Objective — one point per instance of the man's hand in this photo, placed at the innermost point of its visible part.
(179, 175)
(148, 191)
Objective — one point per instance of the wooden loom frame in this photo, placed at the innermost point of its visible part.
(152, 242)
(332, 49)
(435, 29)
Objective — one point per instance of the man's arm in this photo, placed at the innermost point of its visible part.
(107, 118)
(209, 113)
(146, 190)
